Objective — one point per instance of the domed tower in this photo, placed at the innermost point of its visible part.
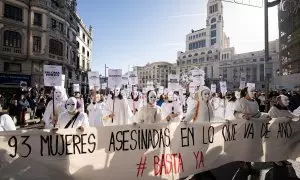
(214, 23)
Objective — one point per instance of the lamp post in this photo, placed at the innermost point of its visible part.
(105, 67)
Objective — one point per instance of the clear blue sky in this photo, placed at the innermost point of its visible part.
(134, 32)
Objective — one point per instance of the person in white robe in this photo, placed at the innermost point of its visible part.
(73, 117)
(80, 100)
(280, 112)
(60, 97)
(230, 106)
(6, 123)
(135, 102)
(219, 106)
(247, 108)
(202, 110)
(116, 110)
(171, 109)
(95, 111)
(149, 113)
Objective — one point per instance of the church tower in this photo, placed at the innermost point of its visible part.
(215, 24)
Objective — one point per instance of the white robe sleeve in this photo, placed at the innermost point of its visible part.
(192, 108)
(7, 123)
(85, 120)
(238, 109)
(48, 114)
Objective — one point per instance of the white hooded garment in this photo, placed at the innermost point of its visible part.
(95, 114)
(59, 106)
(6, 123)
(229, 112)
(65, 117)
(149, 114)
(202, 110)
(120, 109)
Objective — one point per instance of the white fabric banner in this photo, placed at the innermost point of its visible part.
(114, 78)
(52, 75)
(76, 88)
(157, 151)
(94, 79)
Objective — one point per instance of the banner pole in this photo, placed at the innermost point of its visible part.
(53, 89)
(112, 119)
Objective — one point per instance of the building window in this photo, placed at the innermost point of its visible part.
(254, 60)
(190, 46)
(12, 67)
(88, 53)
(213, 20)
(194, 60)
(261, 59)
(88, 42)
(213, 33)
(53, 23)
(214, 26)
(78, 29)
(83, 50)
(188, 61)
(70, 74)
(61, 26)
(37, 20)
(213, 41)
(83, 37)
(36, 44)
(13, 12)
(209, 52)
(77, 44)
(12, 39)
(56, 47)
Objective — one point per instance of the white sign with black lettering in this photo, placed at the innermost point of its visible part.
(94, 79)
(173, 82)
(114, 78)
(76, 88)
(213, 88)
(132, 77)
(223, 87)
(52, 75)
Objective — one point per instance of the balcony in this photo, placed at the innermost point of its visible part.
(56, 57)
(12, 50)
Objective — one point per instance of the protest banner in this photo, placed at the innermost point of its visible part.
(173, 82)
(150, 85)
(125, 79)
(52, 75)
(198, 76)
(223, 87)
(114, 78)
(213, 88)
(160, 151)
(103, 86)
(132, 77)
(251, 85)
(94, 79)
(76, 88)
